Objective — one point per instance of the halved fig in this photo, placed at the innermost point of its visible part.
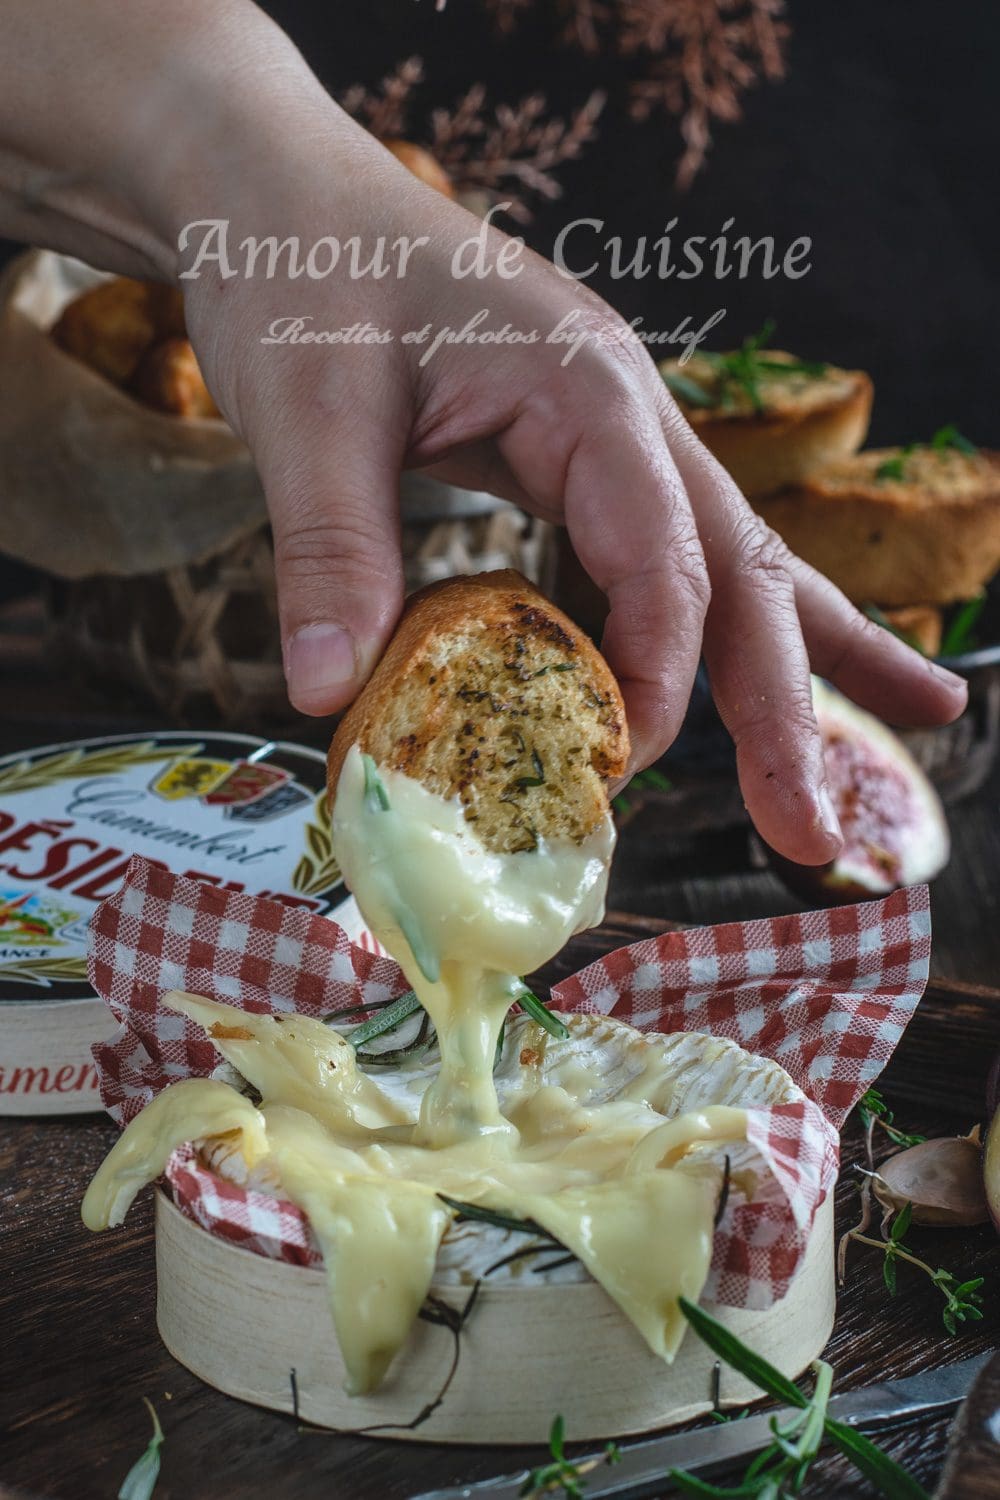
(991, 1145)
(894, 825)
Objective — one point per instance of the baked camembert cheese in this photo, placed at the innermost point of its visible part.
(471, 818)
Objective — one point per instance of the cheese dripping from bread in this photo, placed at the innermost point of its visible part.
(470, 817)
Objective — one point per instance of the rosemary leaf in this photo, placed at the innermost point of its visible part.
(686, 389)
(950, 437)
(387, 1020)
(376, 796)
(729, 1348)
(958, 637)
(546, 1018)
(892, 468)
(140, 1481)
(538, 779)
(483, 1215)
(883, 1471)
(426, 958)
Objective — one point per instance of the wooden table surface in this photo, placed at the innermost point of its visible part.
(79, 1346)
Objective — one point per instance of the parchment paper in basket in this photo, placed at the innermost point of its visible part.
(826, 994)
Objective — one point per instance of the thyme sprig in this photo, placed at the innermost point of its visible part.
(140, 1481)
(874, 1111)
(762, 1479)
(962, 1300)
(562, 1474)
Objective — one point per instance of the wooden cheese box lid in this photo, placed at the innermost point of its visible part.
(230, 809)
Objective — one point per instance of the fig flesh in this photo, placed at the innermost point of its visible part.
(894, 825)
(943, 1179)
(991, 1145)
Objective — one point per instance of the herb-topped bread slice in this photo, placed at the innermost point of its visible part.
(488, 693)
(767, 416)
(898, 525)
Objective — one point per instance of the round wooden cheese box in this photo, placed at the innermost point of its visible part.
(261, 1330)
(227, 808)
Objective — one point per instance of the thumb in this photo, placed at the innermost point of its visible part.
(334, 504)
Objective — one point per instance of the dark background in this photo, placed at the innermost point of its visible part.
(881, 145)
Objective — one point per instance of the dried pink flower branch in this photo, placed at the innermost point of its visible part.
(518, 146)
(698, 56)
(493, 154)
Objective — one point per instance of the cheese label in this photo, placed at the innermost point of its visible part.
(236, 811)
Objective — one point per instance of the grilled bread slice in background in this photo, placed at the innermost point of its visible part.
(489, 693)
(781, 419)
(895, 526)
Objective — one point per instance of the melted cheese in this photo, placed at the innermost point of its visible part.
(186, 1111)
(630, 1192)
(462, 922)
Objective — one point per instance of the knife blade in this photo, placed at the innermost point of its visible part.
(642, 1466)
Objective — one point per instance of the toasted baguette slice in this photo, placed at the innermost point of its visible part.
(931, 535)
(805, 420)
(488, 693)
(111, 325)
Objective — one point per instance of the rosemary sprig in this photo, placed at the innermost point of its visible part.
(959, 635)
(950, 437)
(741, 370)
(945, 439)
(140, 1481)
(394, 1057)
(650, 777)
(780, 1468)
(376, 796)
(961, 1299)
(895, 467)
(745, 366)
(686, 389)
(874, 1111)
(562, 1474)
(876, 1466)
(481, 1215)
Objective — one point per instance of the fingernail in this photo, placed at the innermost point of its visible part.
(828, 820)
(320, 660)
(951, 679)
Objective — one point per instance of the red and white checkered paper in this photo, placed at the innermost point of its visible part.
(826, 994)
